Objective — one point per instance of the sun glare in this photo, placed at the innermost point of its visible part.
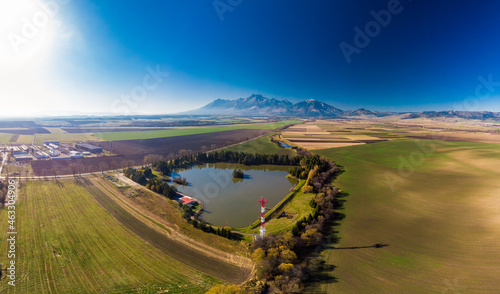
(27, 28)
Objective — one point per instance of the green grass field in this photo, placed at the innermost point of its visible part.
(68, 243)
(25, 139)
(64, 137)
(435, 204)
(5, 138)
(132, 135)
(261, 145)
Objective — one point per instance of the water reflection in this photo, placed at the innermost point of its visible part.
(233, 201)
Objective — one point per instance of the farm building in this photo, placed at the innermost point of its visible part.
(21, 157)
(19, 153)
(75, 154)
(55, 142)
(187, 201)
(40, 155)
(89, 148)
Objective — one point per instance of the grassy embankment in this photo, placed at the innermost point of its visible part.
(295, 205)
(440, 220)
(162, 211)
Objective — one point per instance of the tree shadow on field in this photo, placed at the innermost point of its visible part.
(81, 181)
(237, 237)
(59, 183)
(322, 274)
(377, 245)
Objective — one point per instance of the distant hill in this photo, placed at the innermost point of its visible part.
(258, 105)
(367, 113)
(480, 115)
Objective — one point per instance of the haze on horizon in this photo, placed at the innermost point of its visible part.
(66, 56)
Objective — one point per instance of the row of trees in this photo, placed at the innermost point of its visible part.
(3, 190)
(166, 167)
(207, 228)
(282, 261)
(161, 187)
(138, 175)
(144, 176)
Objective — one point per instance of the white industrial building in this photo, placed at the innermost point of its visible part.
(75, 154)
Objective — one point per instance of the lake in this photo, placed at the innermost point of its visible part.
(233, 202)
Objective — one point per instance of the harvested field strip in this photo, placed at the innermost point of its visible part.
(170, 247)
(70, 244)
(324, 141)
(14, 138)
(23, 131)
(318, 138)
(296, 129)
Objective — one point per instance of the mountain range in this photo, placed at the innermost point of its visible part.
(258, 105)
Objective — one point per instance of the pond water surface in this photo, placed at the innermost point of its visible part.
(233, 202)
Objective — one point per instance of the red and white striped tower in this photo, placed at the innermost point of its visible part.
(262, 202)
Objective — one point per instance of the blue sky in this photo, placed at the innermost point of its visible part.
(94, 56)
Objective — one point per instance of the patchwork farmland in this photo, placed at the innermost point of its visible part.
(137, 149)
